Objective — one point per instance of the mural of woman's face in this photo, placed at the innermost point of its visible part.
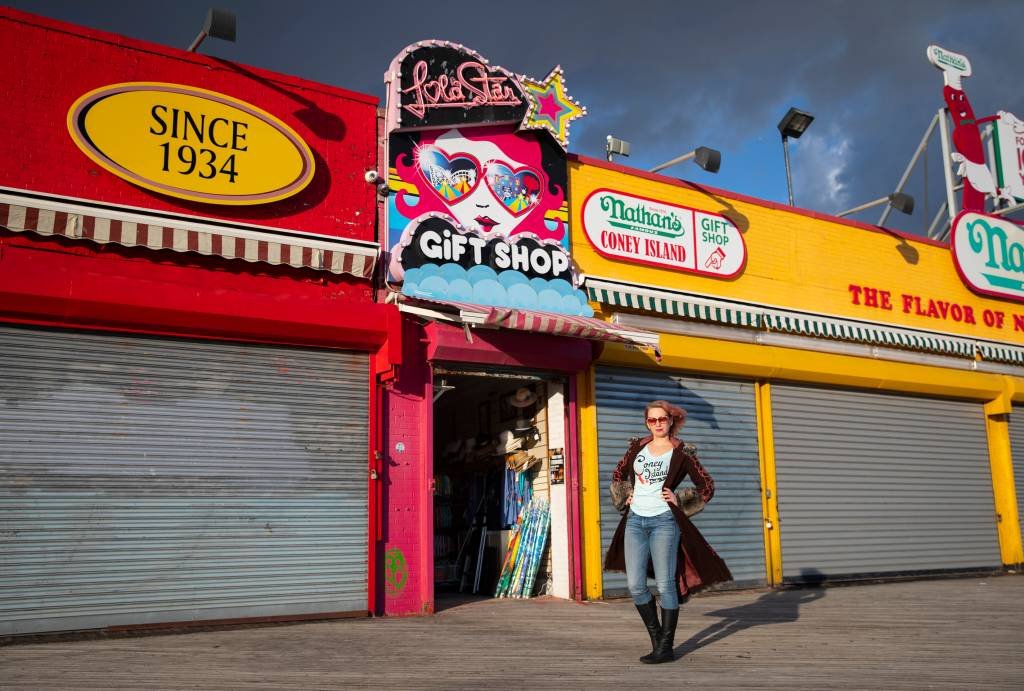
(484, 189)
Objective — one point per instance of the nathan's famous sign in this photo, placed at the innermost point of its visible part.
(988, 252)
(478, 176)
(636, 229)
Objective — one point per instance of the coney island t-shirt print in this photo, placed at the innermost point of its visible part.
(651, 472)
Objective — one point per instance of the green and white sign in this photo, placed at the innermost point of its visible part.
(989, 254)
(658, 233)
(953, 65)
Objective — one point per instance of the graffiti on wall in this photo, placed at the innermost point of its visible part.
(396, 571)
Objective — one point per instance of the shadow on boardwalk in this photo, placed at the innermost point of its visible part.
(775, 607)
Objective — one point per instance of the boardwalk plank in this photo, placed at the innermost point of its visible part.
(943, 634)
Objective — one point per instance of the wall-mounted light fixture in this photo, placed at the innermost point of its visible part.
(900, 201)
(708, 159)
(219, 24)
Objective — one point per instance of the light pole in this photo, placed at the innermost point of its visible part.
(793, 124)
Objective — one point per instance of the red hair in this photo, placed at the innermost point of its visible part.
(677, 414)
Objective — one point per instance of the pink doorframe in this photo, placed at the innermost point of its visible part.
(408, 508)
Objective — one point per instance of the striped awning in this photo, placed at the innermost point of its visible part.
(825, 327)
(483, 316)
(668, 303)
(1001, 353)
(78, 222)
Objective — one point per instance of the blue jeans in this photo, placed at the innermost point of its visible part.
(654, 538)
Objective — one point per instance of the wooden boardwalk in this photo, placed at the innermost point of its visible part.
(945, 634)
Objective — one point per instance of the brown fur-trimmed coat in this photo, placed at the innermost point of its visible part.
(698, 565)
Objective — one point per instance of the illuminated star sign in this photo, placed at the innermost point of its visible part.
(551, 108)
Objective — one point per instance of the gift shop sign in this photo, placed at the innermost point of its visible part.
(647, 231)
(989, 254)
(190, 143)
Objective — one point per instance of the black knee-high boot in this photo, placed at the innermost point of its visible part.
(649, 613)
(664, 650)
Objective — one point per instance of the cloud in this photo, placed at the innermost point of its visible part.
(820, 165)
(663, 74)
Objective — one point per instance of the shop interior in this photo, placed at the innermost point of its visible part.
(493, 470)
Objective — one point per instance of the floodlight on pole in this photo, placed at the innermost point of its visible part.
(708, 159)
(793, 124)
(219, 24)
(615, 147)
(900, 201)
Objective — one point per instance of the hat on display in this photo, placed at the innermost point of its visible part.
(526, 431)
(520, 461)
(508, 442)
(523, 424)
(522, 398)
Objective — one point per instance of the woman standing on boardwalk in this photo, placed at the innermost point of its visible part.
(655, 530)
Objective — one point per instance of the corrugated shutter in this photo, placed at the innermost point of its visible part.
(878, 483)
(1017, 451)
(148, 480)
(722, 422)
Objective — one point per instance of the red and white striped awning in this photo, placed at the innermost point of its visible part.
(483, 316)
(79, 222)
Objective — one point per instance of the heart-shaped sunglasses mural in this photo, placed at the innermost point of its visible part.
(455, 176)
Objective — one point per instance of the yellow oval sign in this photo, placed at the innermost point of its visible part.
(190, 143)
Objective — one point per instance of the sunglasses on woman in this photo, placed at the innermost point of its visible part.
(657, 420)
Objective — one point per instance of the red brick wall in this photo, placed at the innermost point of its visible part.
(47, 65)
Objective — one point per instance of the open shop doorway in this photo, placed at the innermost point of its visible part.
(500, 526)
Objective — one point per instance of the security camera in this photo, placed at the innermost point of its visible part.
(371, 177)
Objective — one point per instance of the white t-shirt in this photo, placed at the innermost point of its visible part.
(651, 472)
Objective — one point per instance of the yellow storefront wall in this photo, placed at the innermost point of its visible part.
(807, 263)
(802, 261)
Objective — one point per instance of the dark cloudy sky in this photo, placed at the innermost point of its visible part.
(665, 75)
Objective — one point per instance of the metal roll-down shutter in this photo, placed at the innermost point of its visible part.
(872, 483)
(722, 423)
(147, 480)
